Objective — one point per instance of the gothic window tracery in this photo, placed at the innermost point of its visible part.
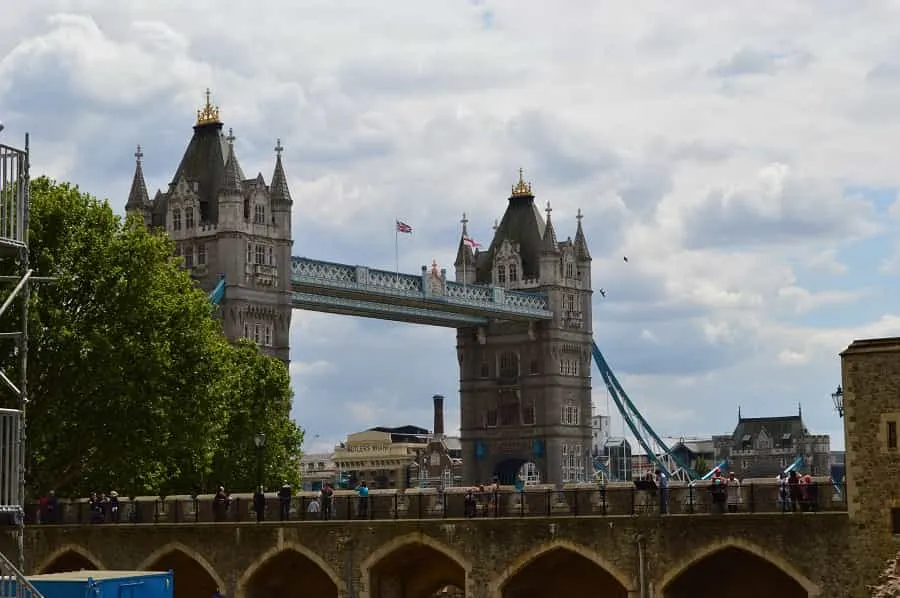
(259, 214)
(507, 265)
(189, 217)
(176, 219)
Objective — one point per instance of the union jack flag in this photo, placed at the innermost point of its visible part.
(403, 227)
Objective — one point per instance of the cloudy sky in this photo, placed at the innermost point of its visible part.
(742, 154)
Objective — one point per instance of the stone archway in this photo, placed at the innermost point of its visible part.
(560, 568)
(194, 576)
(414, 566)
(751, 572)
(507, 471)
(70, 557)
(290, 571)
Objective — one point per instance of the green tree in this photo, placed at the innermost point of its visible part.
(257, 393)
(126, 362)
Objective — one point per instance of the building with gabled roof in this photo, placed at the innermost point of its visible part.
(766, 446)
(226, 225)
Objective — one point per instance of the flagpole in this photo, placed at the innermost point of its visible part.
(396, 249)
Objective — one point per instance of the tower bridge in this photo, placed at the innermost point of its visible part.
(522, 308)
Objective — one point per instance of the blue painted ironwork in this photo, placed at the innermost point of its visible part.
(218, 292)
(656, 449)
(424, 291)
(384, 311)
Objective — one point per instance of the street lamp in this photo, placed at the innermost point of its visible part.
(838, 398)
(260, 441)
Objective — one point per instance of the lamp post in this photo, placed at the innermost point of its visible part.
(838, 398)
(260, 442)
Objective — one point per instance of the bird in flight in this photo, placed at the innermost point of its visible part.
(603, 293)
(625, 258)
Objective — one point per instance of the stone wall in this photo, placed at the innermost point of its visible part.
(871, 384)
(487, 556)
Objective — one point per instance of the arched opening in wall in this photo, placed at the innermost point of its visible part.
(507, 471)
(530, 474)
(192, 580)
(415, 571)
(69, 561)
(562, 572)
(289, 574)
(743, 574)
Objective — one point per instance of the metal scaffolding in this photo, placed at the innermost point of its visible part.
(14, 183)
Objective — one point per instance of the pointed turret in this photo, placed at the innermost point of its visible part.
(279, 188)
(548, 242)
(582, 253)
(138, 198)
(232, 179)
(280, 194)
(464, 255)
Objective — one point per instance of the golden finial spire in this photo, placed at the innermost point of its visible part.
(209, 114)
(521, 189)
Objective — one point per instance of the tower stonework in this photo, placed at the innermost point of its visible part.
(226, 225)
(871, 393)
(525, 389)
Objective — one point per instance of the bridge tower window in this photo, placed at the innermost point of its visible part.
(572, 462)
(501, 275)
(189, 217)
(513, 273)
(176, 219)
(259, 214)
(509, 365)
(201, 254)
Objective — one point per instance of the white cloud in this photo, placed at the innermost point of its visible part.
(724, 161)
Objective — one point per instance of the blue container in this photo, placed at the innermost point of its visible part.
(105, 584)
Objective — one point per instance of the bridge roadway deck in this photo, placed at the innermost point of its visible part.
(769, 554)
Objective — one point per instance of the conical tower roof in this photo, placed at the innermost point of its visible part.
(138, 198)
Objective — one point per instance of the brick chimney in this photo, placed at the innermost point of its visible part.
(438, 416)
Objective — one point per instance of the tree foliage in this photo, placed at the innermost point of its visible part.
(132, 385)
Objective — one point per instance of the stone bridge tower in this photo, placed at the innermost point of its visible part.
(525, 389)
(225, 224)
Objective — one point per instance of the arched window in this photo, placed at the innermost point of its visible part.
(259, 214)
(176, 219)
(513, 273)
(501, 274)
(189, 217)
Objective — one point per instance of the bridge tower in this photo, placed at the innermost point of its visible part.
(525, 389)
(225, 224)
